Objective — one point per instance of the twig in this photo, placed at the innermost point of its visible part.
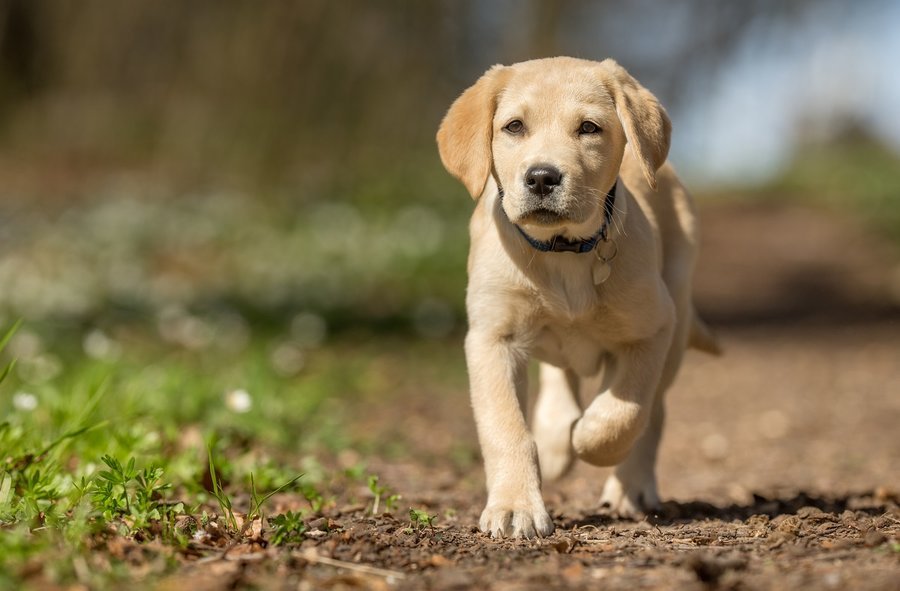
(310, 555)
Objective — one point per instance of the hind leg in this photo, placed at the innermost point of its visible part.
(631, 489)
(555, 411)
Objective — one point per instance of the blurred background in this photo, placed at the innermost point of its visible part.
(230, 176)
(261, 161)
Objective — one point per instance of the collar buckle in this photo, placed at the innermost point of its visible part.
(560, 244)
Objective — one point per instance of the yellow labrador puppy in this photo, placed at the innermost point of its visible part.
(583, 247)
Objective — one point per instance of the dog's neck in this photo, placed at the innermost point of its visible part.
(569, 280)
(561, 242)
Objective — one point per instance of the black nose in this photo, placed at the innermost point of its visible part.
(542, 179)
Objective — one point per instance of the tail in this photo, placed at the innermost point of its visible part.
(702, 337)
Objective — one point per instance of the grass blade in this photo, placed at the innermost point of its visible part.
(221, 497)
(9, 333)
(69, 435)
(7, 369)
(3, 342)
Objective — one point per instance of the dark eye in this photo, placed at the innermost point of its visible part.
(589, 127)
(514, 126)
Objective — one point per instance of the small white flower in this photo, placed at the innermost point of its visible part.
(238, 401)
(25, 401)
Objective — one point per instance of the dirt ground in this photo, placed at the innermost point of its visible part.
(780, 463)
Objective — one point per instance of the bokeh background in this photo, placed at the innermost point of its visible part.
(252, 162)
(257, 183)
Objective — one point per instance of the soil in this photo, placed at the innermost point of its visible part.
(780, 461)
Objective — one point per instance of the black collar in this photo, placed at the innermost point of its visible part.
(563, 244)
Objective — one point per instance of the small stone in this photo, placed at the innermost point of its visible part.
(809, 512)
(564, 546)
(789, 525)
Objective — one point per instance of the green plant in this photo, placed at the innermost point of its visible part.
(256, 501)
(288, 528)
(220, 495)
(356, 471)
(313, 497)
(38, 492)
(58, 513)
(132, 496)
(419, 519)
(391, 502)
(379, 492)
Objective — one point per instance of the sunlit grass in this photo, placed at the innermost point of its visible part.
(169, 340)
(125, 443)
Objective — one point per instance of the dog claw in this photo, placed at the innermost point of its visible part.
(629, 501)
(516, 523)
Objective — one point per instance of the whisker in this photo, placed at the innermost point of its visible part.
(619, 227)
(616, 208)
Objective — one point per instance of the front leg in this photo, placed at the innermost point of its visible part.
(497, 373)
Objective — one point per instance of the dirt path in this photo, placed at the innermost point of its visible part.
(780, 462)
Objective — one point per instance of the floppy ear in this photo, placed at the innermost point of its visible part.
(464, 137)
(647, 126)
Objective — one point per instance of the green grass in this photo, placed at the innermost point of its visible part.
(162, 445)
(184, 357)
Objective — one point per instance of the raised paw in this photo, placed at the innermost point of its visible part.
(518, 522)
(630, 500)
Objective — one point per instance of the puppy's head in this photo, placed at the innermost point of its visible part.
(553, 131)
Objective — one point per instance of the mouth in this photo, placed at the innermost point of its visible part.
(543, 217)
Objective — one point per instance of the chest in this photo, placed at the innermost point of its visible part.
(572, 345)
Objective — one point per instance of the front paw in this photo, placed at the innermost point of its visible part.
(630, 499)
(503, 521)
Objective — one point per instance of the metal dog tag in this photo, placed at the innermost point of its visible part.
(601, 272)
(606, 251)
